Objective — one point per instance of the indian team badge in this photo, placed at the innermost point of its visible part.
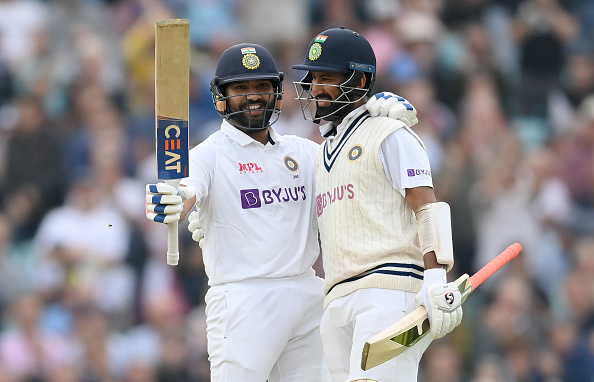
(291, 164)
(250, 60)
(315, 51)
(355, 152)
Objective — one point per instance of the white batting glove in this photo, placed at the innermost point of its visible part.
(443, 302)
(390, 105)
(194, 227)
(164, 204)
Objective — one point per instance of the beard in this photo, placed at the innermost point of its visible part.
(335, 110)
(253, 118)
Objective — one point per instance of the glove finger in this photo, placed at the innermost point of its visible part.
(448, 323)
(373, 105)
(186, 192)
(396, 96)
(165, 208)
(392, 106)
(194, 225)
(193, 216)
(198, 235)
(160, 188)
(436, 325)
(162, 218)
(459, 314)
(378, 96)
(163, 199)
(201, 243)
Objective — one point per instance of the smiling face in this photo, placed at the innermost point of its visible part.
(330, 95)
(325, 88)
(250, 102)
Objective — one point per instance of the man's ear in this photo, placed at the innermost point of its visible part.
(363, 81)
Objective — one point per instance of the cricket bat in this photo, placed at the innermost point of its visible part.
(409, 330)
(172, 110)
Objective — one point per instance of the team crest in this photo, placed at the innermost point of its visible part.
(355, 152)
(315, 51)
(291, 164)
(251, 61)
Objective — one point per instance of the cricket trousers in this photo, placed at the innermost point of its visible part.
(349, 321)
(262, 329)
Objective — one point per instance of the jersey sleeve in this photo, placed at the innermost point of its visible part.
(202, 163)
(313, 147)
(405, 161)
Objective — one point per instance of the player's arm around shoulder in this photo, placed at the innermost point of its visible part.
(392, 106)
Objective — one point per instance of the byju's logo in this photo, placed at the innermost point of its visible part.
(250, 198)
(323, 200)
(413, 172)
(253, 198)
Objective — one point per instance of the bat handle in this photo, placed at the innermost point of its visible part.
(173, 234)
(495, 264)
(172, 244)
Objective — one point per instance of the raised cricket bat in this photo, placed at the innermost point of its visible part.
(409, 330)
(172, 109)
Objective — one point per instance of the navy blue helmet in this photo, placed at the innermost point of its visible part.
(244, 62)
(337, 50)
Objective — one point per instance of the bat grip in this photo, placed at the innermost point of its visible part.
(172, 244)
(494, 265)
(173, 234)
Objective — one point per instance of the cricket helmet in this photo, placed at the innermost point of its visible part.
(337, 50)
(244, 62)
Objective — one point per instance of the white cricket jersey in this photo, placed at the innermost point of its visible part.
(256, 205)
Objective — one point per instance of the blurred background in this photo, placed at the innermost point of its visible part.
(505, 96)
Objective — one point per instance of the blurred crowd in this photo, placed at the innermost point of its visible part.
(505, 96)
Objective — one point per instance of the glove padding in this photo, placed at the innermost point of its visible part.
(164, 204)
(443, 302)
(194, 227)
(390, 105)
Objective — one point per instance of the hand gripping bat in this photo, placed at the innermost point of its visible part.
(397, 338)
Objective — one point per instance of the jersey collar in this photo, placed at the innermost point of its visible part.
(326, 129)
(244, 139)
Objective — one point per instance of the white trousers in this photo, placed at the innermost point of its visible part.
(348, 322)
(266, 330)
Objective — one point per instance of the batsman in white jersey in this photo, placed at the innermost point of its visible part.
(386, 241)
(256, 224)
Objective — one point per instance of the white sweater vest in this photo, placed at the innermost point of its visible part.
(367, 229)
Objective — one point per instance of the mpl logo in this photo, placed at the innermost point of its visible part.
(251, 168)
(254, 198)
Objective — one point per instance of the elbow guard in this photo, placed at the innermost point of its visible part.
(435, 232)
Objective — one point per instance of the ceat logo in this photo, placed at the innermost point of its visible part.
(249, 168)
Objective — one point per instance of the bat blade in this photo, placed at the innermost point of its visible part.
(172, 110)
(405, 333)
(396, 339)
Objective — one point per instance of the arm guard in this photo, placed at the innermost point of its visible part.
(435, 232)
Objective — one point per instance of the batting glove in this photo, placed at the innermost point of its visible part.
(443, 302)
(164, 204)
(390, 105)
(196, 229)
